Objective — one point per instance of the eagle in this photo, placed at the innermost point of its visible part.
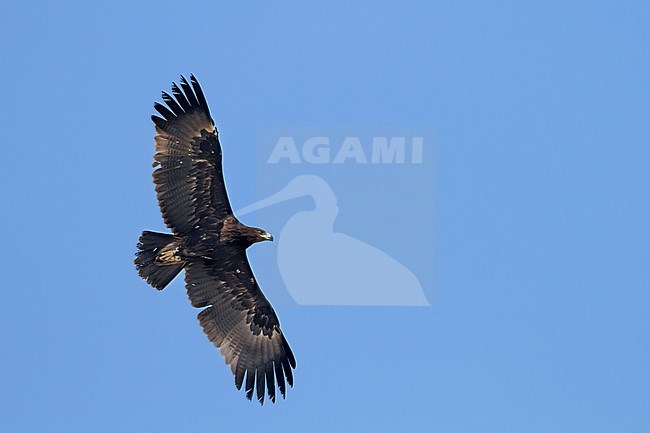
(209, 244)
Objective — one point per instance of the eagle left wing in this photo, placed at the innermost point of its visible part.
(189, 180)
(241, 322)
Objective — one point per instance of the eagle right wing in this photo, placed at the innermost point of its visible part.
(189, 179)
(241, 322)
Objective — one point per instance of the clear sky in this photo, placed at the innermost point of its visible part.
(532, 213)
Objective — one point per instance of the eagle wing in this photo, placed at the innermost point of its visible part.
(189, 179)
(240, 321)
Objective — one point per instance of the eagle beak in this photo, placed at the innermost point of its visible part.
(267, 236)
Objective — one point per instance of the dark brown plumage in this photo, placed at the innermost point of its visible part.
(210, 244)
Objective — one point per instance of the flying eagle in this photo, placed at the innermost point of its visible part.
(210, 244)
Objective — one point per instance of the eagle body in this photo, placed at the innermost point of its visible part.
(229, 238)
(209, 244)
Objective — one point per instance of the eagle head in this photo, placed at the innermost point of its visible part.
(253, 235)
(263, 235)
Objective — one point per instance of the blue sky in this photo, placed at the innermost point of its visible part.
(537, 260)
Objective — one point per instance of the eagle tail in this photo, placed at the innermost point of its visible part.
(156, 260)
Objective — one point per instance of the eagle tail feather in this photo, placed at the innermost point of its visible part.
(155, 259)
